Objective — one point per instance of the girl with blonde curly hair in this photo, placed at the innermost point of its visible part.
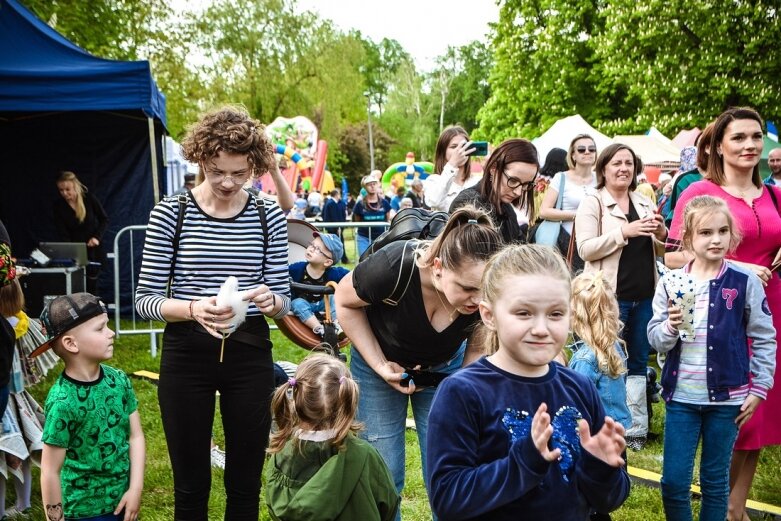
(599, 352)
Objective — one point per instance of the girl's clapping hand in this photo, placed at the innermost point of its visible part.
(542, 430)
(607, 444)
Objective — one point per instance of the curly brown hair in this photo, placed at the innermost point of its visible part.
(231, 130)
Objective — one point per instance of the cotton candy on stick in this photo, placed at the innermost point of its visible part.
(229, 295)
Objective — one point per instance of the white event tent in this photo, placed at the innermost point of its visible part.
(562, 132)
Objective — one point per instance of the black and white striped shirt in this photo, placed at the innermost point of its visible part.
(210, 250)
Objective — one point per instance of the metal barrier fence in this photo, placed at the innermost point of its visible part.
(139, 326)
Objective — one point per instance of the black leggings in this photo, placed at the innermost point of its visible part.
(190, 373)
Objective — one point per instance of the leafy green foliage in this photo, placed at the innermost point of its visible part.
(683, 62)
(542, 62)
(627, 66)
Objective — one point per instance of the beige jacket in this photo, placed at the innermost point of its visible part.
(603, 252)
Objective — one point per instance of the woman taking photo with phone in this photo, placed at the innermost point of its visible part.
(732, 175)
(419, 334)
(509, 175)
(451, 163)
(619, 233)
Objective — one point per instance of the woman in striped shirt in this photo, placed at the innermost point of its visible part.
(222, 234)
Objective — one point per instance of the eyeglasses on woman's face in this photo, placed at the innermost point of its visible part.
(515, 182)
(314, 247)
(236, 179)
(583, 149)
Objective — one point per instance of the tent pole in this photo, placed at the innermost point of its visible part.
(153, 154)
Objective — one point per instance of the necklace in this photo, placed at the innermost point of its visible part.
(451, 314)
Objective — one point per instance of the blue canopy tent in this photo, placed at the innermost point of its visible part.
(63, 109)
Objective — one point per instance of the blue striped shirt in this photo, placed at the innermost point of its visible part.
(210, 250)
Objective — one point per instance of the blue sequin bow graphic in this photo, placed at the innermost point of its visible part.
(565, 433)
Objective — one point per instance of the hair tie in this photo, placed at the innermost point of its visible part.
(289, 391)
(291, 382)
(472, 221)
(342, 379)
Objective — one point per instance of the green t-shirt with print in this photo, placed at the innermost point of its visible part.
(92, 421)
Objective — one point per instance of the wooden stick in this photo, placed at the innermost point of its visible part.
(222, 347)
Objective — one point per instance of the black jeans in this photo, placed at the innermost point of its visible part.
(190, 373)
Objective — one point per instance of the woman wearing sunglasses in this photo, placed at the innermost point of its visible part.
(579, 181)
(619, 232)
(510, 174)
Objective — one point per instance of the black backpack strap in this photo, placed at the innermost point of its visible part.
(260, 204)
(406, 269)
(182, 200)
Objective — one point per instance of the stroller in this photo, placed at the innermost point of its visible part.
(299, 236)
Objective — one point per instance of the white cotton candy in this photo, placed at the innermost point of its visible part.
(230, 295)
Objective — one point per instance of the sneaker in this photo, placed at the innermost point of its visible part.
(338, 328)
(636, 443)
(319, 330)
(218, 458)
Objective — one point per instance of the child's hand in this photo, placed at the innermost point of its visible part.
(542, 430)
(750, 405)
(607, 444)
(675, 315)
(131, 502)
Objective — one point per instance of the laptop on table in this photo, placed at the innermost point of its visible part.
(59, 252)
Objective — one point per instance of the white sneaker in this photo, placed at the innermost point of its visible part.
(218, 458)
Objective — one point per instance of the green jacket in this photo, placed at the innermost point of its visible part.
(320, 483)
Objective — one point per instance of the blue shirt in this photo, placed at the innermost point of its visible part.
(482, 462)
(611, 390)
(368, 214)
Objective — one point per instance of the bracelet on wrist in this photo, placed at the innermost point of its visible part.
(192, 303)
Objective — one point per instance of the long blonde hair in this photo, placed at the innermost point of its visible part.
(70, 177)
(322, 395)
(595, 320)
(525, 259)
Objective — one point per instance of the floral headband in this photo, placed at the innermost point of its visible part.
(7, 265)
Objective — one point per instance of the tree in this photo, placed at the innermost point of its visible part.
(682, 62)
(542, 60)
(353, 155)
(380, 65)
(467, 88)
(411, 115)
(281, 63)
(118, 29)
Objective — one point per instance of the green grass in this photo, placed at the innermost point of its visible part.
(132, 353)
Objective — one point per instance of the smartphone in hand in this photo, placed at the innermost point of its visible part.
(480, 148)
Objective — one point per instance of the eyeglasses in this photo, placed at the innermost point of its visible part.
(316, 248)
(582, 150)
(236, 179)
(514, 182)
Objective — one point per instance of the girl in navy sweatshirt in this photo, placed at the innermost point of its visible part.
(515, 435)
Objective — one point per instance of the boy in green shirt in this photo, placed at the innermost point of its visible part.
(92, 467)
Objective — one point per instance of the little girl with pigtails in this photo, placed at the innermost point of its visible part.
(319, 468)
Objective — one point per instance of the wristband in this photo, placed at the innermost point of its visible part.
(192, 303)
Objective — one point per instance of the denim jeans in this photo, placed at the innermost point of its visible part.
(383, 410)
(684, 425)
(635, 315)
(304, 309)
(363, 243)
